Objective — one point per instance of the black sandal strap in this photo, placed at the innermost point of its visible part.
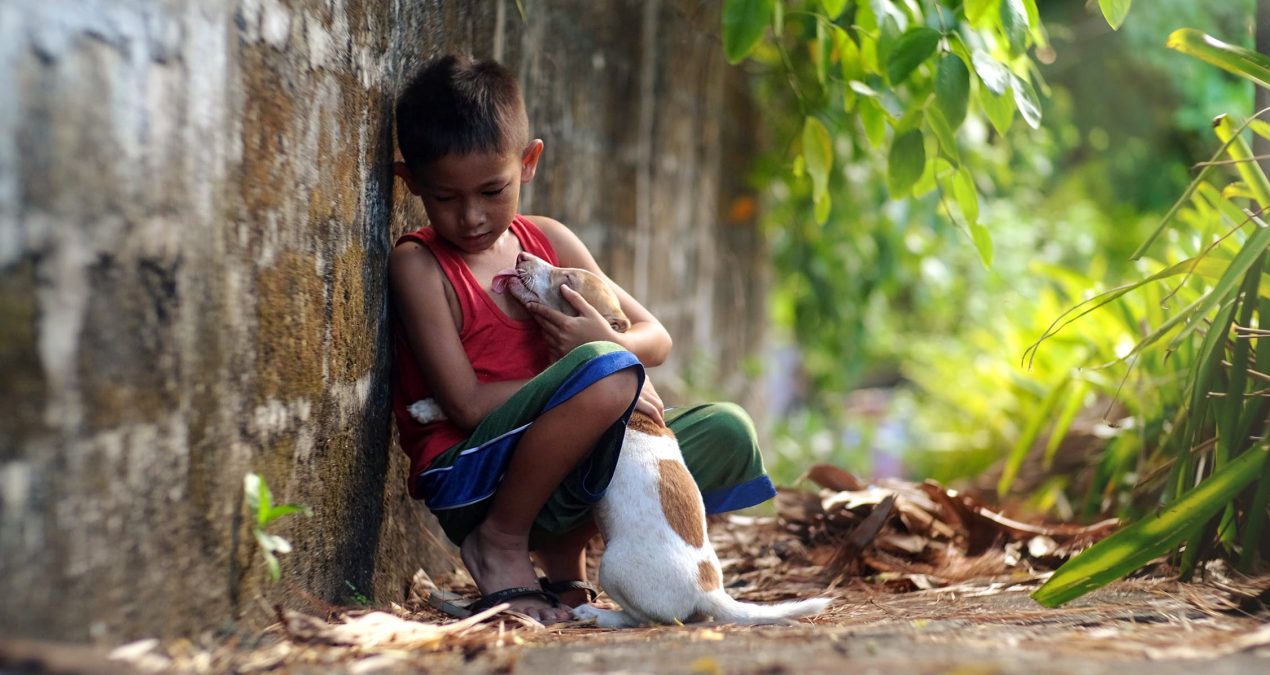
(507, 594)
(567, 585)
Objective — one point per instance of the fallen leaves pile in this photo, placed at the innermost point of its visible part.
(899, 535)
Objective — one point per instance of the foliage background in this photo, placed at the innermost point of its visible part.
(899, 350)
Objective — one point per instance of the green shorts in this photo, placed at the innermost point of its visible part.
(718, 442)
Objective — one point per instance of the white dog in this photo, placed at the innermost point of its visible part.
(658, 562)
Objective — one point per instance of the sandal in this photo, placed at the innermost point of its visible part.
(459, 608)
(559, 587)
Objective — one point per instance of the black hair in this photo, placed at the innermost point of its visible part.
(456, 105)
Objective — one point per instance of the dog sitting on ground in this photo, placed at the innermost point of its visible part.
(658, 563)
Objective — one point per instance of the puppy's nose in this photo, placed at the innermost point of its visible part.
(522, 256)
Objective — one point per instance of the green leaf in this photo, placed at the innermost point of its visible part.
(983, 242)
(1026, 101)
(1034, 21)
(1260, 128)
(905, 163)
(1153, 536)
(1014, 23)
(259, 499)
(1238, 60)
(943, 133)
(821, 207)
(928, 181)
(1115, 11)
(873, 121)
(952, 89)
(990, 70)
(909, 51)
(743, 24)
(1245, 164)
(821, 53)
(268, 545)
(1252, 248)
(1000, 110)
(251, 490)
(848, 55)
(869, 54)
(285, 510)
(818, 149)
(833, 8)
(966, 195)
(976, 9)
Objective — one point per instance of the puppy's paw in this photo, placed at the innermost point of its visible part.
(587, 613)
(604, 618)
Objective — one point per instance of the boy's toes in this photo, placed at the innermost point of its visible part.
(545, 614)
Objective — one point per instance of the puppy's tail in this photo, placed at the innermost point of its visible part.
(726, 609)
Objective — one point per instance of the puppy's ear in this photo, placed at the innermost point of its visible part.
(619, 322)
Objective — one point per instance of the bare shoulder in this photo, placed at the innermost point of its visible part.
(412, 268)
(411, 256)
(569, 247)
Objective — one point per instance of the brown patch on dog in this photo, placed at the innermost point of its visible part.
(600, 296)
(645, 424)
(708, 577)
(683, 513)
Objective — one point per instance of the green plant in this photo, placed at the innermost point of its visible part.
(358, 596)
(1215, 490)
(263, 514)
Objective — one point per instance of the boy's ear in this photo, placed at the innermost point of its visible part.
(529, 160)
(403, 172)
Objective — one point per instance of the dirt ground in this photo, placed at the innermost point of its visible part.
(923, 579)
(1150, 626)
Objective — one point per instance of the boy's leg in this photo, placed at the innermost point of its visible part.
(563, 558)
(496, 553)
(720, 447)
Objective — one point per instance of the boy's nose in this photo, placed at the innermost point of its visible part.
(473, 215)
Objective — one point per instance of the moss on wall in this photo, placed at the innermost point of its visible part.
(290, 320)
(196, 208)
(23, 387)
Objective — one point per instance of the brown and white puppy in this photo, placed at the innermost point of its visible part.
(658, 562)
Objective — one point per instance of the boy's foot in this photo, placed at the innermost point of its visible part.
(499, 561)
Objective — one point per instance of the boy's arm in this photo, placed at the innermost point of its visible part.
(646, 338)
(418, 290)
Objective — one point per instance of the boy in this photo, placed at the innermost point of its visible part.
(536, 401)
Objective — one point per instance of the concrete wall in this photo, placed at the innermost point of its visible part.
(195, 211)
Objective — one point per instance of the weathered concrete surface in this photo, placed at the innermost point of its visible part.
(195, 211)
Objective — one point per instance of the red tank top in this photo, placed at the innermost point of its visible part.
(499, 348)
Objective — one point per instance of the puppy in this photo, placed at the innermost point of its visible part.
(658, 562)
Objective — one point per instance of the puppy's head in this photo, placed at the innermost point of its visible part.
(536, 280)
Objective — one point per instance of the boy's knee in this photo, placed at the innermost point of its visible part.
(610, 396)
(618, 389)
(732, 423)
(591, 350)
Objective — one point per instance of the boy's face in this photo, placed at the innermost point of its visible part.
(471, 199)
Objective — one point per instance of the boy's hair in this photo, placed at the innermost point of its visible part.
(457, 105)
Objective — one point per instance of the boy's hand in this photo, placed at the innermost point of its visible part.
(563, 332)
(650, 403)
